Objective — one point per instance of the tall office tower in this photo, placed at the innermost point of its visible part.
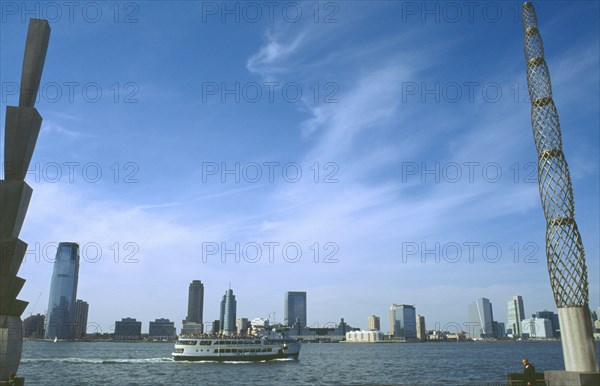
(241, 325)
(373, 323)
(294, 308)
(228, 311)
(63, 293)
(516, 313)
(403, 321)
(193, 323)
(481, 319)
(421, 332)
(81, 317)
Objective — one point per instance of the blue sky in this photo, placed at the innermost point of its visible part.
(388, 136)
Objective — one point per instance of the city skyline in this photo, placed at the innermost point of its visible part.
(418, 173)
(481, 323)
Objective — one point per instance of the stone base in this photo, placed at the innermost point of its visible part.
(11, 344)
(571, 378)
(18, 382)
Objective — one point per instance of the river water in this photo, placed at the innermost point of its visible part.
(112, 363)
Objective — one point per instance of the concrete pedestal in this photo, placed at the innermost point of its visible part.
(11, 345)
(577, 340)
(571, 378)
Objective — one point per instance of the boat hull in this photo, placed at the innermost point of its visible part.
(248, 358)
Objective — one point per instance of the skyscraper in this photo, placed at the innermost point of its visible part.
(81, 317)
(228, 313)
(421, 332)
(294, 308)
(63, 293)
(480, 319)
(403, 321)
(373, 323)
(193, 323)
(516, 313)
(241, 325)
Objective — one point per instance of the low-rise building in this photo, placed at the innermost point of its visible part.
(162, 329)
(128, 329)
(371, 336)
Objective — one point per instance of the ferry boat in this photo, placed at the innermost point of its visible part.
(235, 348)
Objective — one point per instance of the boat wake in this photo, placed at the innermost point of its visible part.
(97, 360)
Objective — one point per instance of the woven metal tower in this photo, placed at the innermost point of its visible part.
(564, 248)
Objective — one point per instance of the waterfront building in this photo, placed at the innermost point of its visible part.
(536, 328)
(162, 329)
(128, 329)
(294, 309)
(373, 323)
(480, 319)
(81, 318)
(228, 313)
(242, 325)
(516, 313)
(193, 323)
(63, 293)
(372, 336)
(499, 329)
(216, 326)
(259, 322)
(335, 333)
(403, 321)
(33, 326)
(421, 332)
(553, 318)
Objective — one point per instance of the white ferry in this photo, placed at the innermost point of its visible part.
(232, 348)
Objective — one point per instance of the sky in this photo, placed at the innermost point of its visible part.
(366, 152)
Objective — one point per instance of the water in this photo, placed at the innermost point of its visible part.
(106, 363)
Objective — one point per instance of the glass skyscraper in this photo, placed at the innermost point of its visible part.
(481, 319)
(60, 322)
(403, 321)
(228, 313)
(294, 308)
(516, 313)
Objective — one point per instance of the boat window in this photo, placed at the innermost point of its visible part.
(205, 342)
(186, 342)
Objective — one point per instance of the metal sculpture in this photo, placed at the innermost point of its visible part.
(564, 248)
(22, 128)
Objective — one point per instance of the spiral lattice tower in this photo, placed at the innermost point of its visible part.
(564, 248)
